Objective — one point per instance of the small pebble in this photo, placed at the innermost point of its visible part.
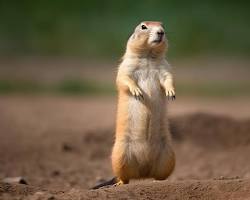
(19, 180)
(66, 147)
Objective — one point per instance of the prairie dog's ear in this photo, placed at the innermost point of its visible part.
(132, 37)
(135, 34)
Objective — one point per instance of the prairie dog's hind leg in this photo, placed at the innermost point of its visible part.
(165, 166)
(119, 164)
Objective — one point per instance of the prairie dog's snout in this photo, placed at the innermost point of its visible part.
(156, 35)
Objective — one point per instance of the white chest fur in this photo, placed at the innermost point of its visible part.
(147, 76)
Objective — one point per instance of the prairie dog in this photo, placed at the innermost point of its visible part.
(142, 146)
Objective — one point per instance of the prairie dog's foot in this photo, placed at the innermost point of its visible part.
(119, 183)
(170, 93)
(136, 92)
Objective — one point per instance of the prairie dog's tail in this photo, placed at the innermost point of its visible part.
(105, 183)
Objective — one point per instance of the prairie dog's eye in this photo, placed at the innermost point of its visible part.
(143, 27)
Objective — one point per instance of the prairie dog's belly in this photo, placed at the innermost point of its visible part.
(145, 115)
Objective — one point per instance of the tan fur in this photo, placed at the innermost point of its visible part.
(142, 146)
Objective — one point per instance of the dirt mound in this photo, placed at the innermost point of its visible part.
(211, 131)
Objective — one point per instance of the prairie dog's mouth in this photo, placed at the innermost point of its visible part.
(158, 40)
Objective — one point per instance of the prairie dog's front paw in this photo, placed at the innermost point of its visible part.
(136, 92)
(170, 92)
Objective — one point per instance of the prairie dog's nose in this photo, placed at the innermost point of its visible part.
(160, 32)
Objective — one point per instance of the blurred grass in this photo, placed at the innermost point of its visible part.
(81, 87)
(215, 89)
(99, 29)
(67, 87)
(85, 87)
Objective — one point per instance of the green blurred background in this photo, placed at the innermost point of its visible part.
(75, 40)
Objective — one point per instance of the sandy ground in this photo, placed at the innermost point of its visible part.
(61, 145)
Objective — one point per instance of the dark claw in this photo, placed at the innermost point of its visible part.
(140, 97)
(173, 97)
(137, 98)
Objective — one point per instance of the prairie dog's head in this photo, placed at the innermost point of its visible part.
(148, 39)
